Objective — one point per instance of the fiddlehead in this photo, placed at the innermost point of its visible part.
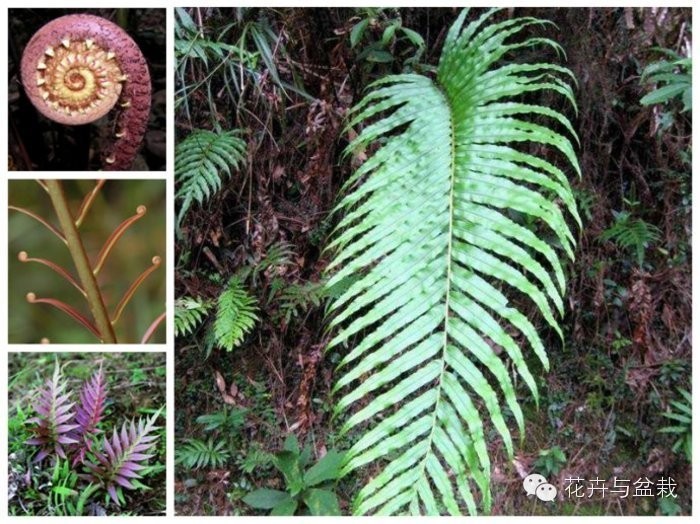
(76, 68)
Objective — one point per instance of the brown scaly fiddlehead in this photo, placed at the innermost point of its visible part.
(76, 68)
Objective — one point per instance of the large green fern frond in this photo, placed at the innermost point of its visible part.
(201, 161)
(435, 227)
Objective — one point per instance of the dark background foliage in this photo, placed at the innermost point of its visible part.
(38, 144)
(627, 344)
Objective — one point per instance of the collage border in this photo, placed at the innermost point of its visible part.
(168, 176)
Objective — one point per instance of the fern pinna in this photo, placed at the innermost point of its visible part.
(235, 315)
(435, 232)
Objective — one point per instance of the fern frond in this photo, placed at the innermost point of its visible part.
(293, 299)
(197, 454)
(235, 315)
(89, 413)
(435, 233)
(631, 233)
(190, 312)
(53, 426)
(201, 161)
(117, 464)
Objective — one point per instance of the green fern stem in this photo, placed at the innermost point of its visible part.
(81, 261)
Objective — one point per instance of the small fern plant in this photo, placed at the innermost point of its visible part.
(69, 432)
(202, 161)
(236, 314)
(672, 79)
(631, 233)
(435, 229)
(195, 454)
(680, 412)
(190, 313)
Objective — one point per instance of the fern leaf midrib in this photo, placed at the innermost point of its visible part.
(448, 285)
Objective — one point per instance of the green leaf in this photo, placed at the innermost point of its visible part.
(357, 31)
(389, 32)
(287, 508)
(328, 468)
(288, 463)
(321, 502)
(84, 497)
(190, 312)
(415, 38)
(64, 491)
(291, 443)
(236, 315)
(266, 498)
(663, 94)
(447, 220)
(379, 56)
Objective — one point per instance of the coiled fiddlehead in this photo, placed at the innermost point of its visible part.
(76, 68)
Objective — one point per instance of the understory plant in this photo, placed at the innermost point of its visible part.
(308, 489)
(69, 431)
(680, 413)
(86, 274)
(235, 316)
(454, 230)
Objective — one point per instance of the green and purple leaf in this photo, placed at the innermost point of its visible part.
(53, 425)
(122, 455)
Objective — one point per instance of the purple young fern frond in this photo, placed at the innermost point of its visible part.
(89, 413)
(53, 424)
(121, 457)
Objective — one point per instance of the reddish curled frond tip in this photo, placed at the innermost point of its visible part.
(116, 235)
(155, 263)
(22, 256)
(68, 310)
(76, 68)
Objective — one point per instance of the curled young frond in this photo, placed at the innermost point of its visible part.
(155, 264)
(115, 236)
(67, 309)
